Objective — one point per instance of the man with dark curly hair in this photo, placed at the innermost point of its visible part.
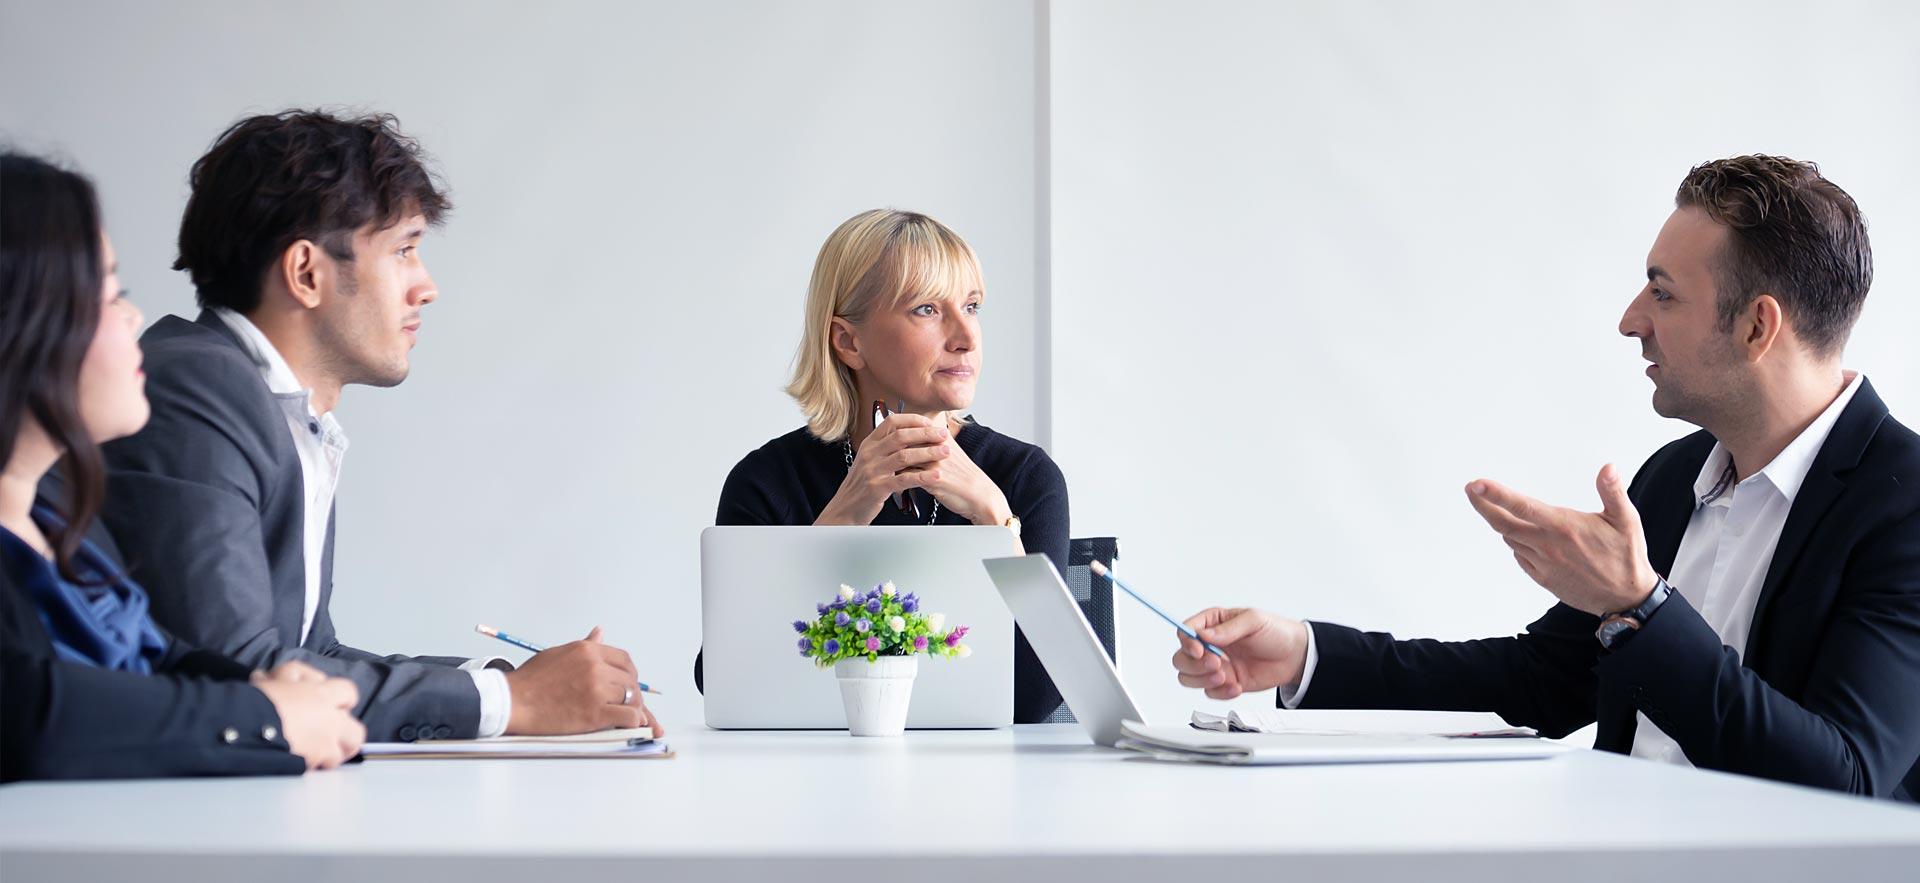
(302, 236)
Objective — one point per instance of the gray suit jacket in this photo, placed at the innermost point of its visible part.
(207, 505)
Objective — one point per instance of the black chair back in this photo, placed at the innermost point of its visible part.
(1094, 594)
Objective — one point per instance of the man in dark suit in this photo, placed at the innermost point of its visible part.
(302, 237)
(1751, 602)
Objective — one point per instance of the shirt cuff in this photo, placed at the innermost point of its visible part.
(1291, 697)
(496, 700)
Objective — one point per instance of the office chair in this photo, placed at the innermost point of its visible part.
(1094, 594)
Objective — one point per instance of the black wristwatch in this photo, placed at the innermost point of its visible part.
(1617, 628)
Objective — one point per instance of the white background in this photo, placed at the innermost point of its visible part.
(1317, 266)
(1271, 281)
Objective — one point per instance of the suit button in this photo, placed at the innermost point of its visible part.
(407, 733)
(442, 731)
(229, 735)
(269, 732)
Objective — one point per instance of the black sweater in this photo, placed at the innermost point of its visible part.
(790, 479)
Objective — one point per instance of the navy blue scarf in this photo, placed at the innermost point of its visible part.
(103, 621)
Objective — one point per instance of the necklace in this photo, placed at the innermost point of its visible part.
(848, 444)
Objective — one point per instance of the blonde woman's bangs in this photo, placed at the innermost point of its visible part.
(933, 264)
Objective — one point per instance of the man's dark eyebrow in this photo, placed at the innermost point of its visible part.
(1656, 272)
(416, 233)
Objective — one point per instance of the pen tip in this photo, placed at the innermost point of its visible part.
(1097, 567)
(487, 630)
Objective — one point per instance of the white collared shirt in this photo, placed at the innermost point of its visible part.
(1729, 543)
(1723, 557)
(322, 446)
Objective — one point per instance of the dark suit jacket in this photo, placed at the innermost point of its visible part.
(208, 504)
(66, 720)
(1826, 693)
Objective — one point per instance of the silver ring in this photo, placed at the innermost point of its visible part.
(628, 698)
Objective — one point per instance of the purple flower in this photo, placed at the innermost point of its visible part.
(837, 604)
(806, 652)
(920, 643)
(873, 644)
(960, 631)
(821, 609)
(831, 647)
(910, 605)
(953, 637)
(841, 620)
(805, 645)
(799, 626)
(873, 606)
(862, 626)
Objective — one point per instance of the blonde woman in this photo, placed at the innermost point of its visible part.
(893, 316)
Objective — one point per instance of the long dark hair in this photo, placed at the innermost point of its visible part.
(50, 279)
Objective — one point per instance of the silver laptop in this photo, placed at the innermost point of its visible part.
(1088, 681)
(1066, 644)
(755, 581)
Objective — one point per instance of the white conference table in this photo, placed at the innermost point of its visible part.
(1033, 802)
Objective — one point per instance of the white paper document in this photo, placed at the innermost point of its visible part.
(1327, 737)
(607, 743)
(1464, 724)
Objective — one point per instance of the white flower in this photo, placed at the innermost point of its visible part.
(898, 624)
(847, 592)
(887, 589)
(963, 651)
(937, 622)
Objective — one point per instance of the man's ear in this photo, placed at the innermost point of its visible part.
(845, 344)
(306, 270)
(1761, 326)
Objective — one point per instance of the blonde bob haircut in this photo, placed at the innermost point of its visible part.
(880, 259)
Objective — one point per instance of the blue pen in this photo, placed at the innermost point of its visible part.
(1102, 570)
(531, 647)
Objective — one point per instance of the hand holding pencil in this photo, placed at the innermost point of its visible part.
(579, 687)
(1262, 651)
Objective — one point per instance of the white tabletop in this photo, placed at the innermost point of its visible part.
(1033, 802)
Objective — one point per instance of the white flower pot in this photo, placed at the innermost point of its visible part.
(876, 693)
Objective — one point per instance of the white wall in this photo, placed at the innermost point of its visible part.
(1315, 266)
(640, 191)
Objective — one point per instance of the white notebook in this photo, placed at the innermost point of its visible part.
(635, 743)
(1324, 745)
(1316, 736)
(1327, 722)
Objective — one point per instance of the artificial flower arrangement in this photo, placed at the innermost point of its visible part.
(878, 622)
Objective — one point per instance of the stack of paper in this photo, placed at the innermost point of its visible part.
(1321, 737)
(1461, 724)
(637, 743)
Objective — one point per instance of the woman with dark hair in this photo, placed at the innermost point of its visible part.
(91, 688)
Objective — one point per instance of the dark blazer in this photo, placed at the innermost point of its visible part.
(67, 720)
(208, 504)
(1825, 694)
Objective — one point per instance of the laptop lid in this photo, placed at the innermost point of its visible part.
(1065, 643)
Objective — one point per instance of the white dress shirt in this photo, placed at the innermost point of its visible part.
(1728, 546)
(1723, 557)
(322, 445)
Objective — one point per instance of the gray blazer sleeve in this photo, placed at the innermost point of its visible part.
(206, 504)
